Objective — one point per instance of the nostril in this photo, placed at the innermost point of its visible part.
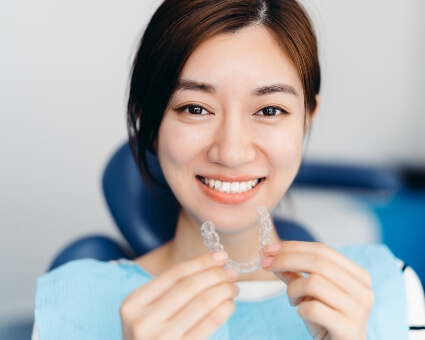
(231, 155)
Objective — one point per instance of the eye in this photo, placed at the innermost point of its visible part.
(271, 111)
(193, 110)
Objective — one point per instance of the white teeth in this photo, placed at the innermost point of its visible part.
(234, 187)
(225, 187)
(230, 187)
(242, 186)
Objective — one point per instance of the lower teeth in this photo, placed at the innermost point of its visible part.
(212, 241)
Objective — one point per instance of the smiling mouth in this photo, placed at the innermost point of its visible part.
(230, 187)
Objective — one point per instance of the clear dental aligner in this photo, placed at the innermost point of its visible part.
(264, 225)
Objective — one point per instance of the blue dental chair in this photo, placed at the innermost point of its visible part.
(146, 216)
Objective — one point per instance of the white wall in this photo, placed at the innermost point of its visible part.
(419, 80)
(64, 68)
(371, 59)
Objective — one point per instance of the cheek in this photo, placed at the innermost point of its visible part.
(284, 158)
(178, 144)
(284, 148)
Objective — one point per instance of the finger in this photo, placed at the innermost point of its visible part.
(316, 312)
(321, 249)
(186, 290)
(204, 303)
(211, 322)
(155, 288)
(315, 287)
(314, 264)
(288, 277)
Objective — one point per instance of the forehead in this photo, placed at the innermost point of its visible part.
(250, 57)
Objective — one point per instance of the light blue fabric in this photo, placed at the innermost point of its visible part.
(81, 300)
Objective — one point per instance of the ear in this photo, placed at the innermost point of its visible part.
(311, 115)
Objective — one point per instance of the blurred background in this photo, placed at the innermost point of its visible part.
(64, 70)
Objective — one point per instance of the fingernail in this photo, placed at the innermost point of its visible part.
(232, 273)
(237, 289)
(267, 262)
(219, 256)
(272, 247)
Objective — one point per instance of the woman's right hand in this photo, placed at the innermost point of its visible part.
(190, 300)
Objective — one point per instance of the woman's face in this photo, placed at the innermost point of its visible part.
(237, 118)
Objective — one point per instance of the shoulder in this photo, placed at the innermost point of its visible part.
(390, 304)
(396, 286)
(377, 259)
(362, 253)
(83, 267)
(86, 274)
(84, 295)
(381, 264)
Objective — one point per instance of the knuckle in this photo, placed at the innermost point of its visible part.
(311, 284)
(289, 245)
(319, 262)
(309, 309)
(125, 309)
(291, 290)
(207, 299)
(231, 289)
(368, 278)
(136, 330)
(177, 270)
(366, 298)
(205, 261)
(321, 247)
(189, 284)
(356, 311)
(221, 292)
(230, 307)
(221, 314)
(369, 299)
(219, 273)
(281, 260)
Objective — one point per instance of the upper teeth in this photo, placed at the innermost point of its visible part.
(229, 187)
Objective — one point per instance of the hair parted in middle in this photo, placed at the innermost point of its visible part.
(174, 32)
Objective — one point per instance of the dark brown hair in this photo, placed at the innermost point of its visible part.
(179, 26)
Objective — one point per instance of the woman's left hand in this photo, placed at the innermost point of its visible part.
(334, 299)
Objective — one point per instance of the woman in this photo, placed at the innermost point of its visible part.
(224, 93)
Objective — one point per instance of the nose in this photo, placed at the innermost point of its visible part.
(233, 143)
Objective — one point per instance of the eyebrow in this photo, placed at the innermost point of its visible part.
(285, 88)
(187, 84)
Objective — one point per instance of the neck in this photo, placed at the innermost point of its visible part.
(241, 246)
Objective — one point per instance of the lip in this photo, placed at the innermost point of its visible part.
(231, 199)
